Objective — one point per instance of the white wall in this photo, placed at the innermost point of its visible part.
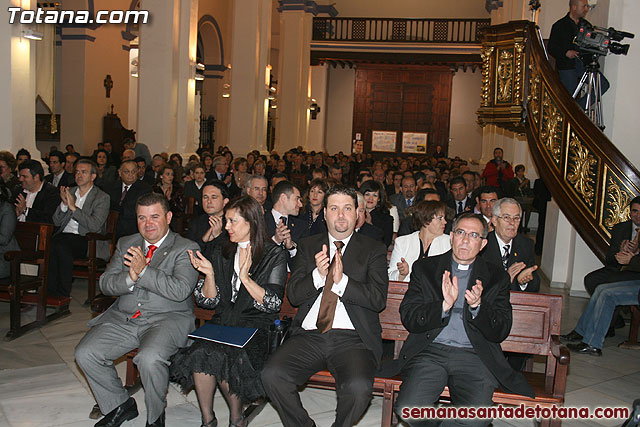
(620, 103)
(464, 132)
(317, 127)
(340, 94)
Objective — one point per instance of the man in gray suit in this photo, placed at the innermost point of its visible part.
(84, 209)
(152, 276)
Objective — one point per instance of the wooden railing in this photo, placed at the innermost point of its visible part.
(399, 30)
(588, 177)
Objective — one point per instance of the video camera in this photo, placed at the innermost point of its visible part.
(600, 41)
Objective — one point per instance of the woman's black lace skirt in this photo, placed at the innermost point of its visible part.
(240, 367)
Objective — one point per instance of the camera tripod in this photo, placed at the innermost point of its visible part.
(591, 79)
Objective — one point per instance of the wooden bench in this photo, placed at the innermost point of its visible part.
(92, 267)
(34, 240)
(535, 331)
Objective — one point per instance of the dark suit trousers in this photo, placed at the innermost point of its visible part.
(65, 247)
(607, 275)
(425, 376)
(339, 351)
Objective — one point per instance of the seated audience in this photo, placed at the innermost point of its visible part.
(362, 226)
(153, 313)
(145, 173)
(282, 223)
(140, 149)
(314, 208)
(257, 187)
(107, 174)
(35, 200)
(193, 188)
(429, 240)
(406, 198)
(207, 227)
(377, 209)
(84, 209)
(485, 200)
(622, 249)
(519, 186)
(459, 199)
(123, 194)
(339, 284)
(244, 281)
(58, 176)
(511, 250)
(70, 159)
(166, 185)
(454, 335)
(589, 334)
(113, 157)
(7, 169)
(22, 156)
(8, 222)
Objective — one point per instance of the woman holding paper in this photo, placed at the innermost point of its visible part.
(244, 280)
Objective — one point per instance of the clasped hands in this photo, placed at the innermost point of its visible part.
(323, 262)
(215, 228)
(283, 234)
(628, 249)
(136, 261)
(524, 275)
(67, 198)
(204, 266)
(450, 292)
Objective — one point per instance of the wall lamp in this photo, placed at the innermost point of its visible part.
(199, 71)
(32, 35)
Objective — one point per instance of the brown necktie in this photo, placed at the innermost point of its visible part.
(329, 299)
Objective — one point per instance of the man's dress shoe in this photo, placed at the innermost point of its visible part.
(572, 336)
(584, 348)
(157, 423)
(125, 412)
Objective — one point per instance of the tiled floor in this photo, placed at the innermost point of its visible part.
(40, 384)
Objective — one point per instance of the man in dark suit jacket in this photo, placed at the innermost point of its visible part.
(623, 246)
(281, 222)
(459, 200)
(457, 312)
(337, 325)
(209, 226)
(58, 176)
(509, 249)
(123, 194)
(407, 196)
(35, 200)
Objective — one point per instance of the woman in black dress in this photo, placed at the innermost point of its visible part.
(167, 186)
(314, 211)
(244, 281)
(377, 208)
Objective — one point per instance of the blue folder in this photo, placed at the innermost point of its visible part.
(229, 335)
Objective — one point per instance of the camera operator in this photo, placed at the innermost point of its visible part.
(563, 49)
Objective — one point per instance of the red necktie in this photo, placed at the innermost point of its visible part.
(152, 248)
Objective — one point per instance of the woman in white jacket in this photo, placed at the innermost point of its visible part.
(429, 240)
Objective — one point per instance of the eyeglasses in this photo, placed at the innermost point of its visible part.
(510, 219)
(472, 235)
(438, 217)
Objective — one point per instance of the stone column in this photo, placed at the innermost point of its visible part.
(294, 85)
(18, 85)
(251, 37)
(166, 86)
